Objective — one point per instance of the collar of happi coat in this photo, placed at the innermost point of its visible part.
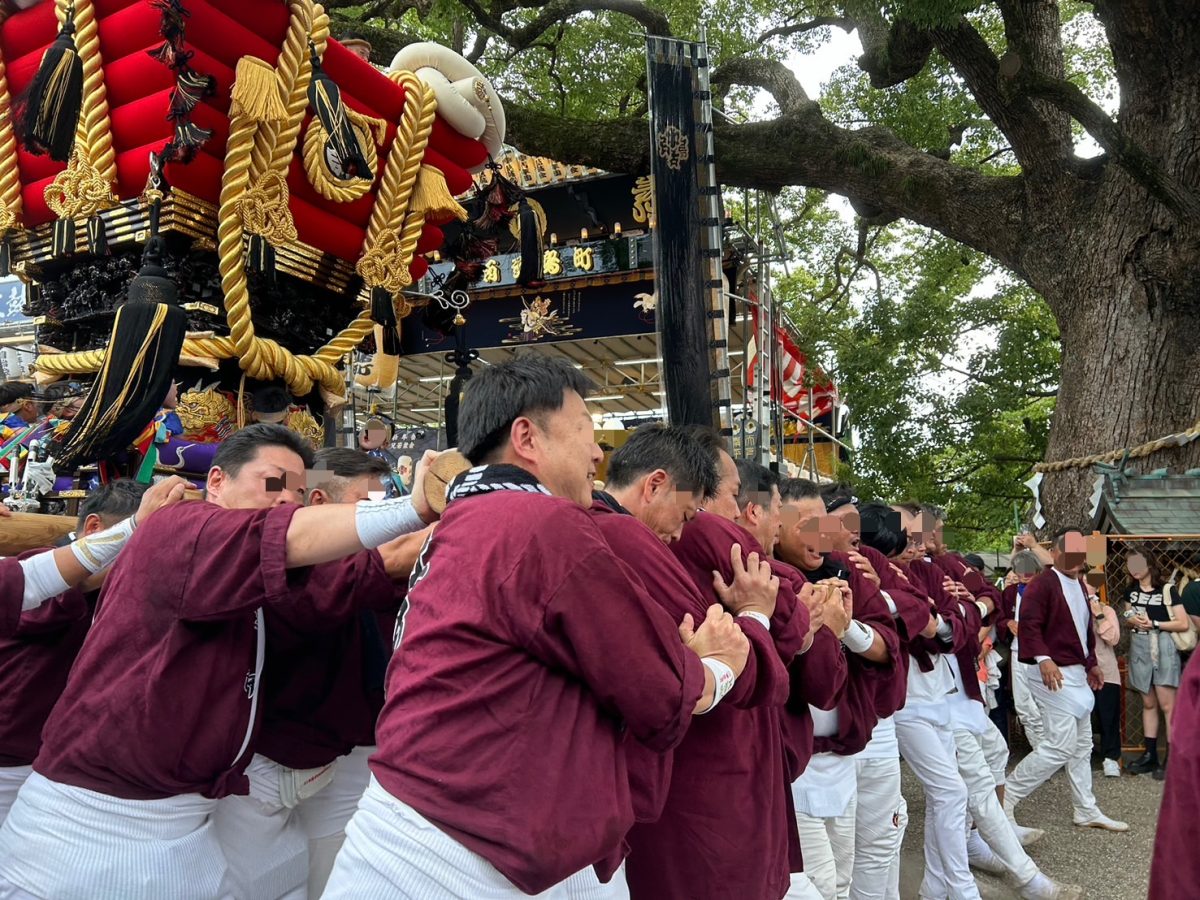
(490, 479)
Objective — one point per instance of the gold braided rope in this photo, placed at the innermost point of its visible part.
(370, 131)
(384, 262)
(10, 176)
(271, 150)
(1150, 447)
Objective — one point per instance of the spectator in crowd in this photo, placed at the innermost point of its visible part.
(1154, 662)
(1108, 698)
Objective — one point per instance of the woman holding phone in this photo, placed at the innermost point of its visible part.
(1154, 662)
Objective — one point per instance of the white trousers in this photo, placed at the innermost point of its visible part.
(323, 816)
(1066, 743)
(11, 779)
(929, 750)
(1027, 710)
(995, 751)
(985, 808)
(392, 852)
(828, 848)
(880, 820)
(262, 839)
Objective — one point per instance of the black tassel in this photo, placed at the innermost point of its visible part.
(383, 311)
(97, 236)
(343, 152)
(190, 88)
(5, 257)
(188, 140)
(531, 245)
(139, 364)
(48, 113)
(62, 238)
(261, 257)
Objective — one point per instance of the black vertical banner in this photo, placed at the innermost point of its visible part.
(682, 311)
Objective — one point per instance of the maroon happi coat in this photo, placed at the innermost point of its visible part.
(1047, 628)
(528, 655)
(157, 704)
(727, 827)
(1175, 871)
(34, 662)
(911, 618)
(927, 578)
(869, 694)
(12, 592)
(317, 702)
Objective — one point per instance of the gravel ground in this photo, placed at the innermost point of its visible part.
(1107, 866)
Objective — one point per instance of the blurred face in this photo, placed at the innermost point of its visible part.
(935, 540)
(723, 502)
(360, 49)
(342, 490)
(373, 438)
(844, 528)
(1137, 566)
(1070, 553)
(801, 541)
(664, 508)
(561, 450)
(274, 476)
(917, 531)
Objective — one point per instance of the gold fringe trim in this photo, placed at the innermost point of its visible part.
(256, 92)
(433, 198)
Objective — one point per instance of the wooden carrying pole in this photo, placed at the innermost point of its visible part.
(31, 531)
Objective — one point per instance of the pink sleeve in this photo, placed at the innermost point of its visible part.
(1109, 630)
(623, 646)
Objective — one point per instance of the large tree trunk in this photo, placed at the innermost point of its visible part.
(1127, 299)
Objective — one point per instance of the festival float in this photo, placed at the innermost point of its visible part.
(217, 194)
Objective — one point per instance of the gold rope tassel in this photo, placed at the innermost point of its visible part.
(257, 93)
(432, 196)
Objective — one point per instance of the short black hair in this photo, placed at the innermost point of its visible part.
(1057, 540)
(837, 495)
(757, 482)
(934, 512)
(12, 391)
(113, 502)
(271, 399)
(346, 464)
(879, 528)
(708, 438)
(528, 385)
(243, 445)
(793, 489)
(912, 507)
(692, 467)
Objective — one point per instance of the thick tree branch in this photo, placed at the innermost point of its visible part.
(556, 11)
(771, 75)
(1034, 32)
(795, 28)
(1125, 151)
(984, 212)
(892, 52)
(1028, 133)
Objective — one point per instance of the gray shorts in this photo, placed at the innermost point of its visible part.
(1143, 673)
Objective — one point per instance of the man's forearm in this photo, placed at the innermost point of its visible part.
(320, 534)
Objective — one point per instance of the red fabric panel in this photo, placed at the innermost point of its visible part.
(200, 178)
(226, 38)
(418, 268)
(458, 179)
(431, 239)
(358, 78)
(138, 75)
(458, 147)
(320, 228)
(20, 70)
(28, 31)
(128, 30)
(35, 210)
(106, 8)
(268, 20)
(357, 213)
(33, 167)
(145, 121)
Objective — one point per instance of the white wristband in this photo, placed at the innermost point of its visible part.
(380, 521)
(891, 604)
(858, 637)
(983, 610)
(944, 629)
(100, 549)
(723, 679)
(42, 580)
(757, 617)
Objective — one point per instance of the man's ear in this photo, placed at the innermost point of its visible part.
(317, 497)
(215, 481)
(92, 524)
(654, 484)
(524, 438)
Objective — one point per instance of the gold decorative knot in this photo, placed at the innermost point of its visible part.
(643, 199)
(79, 189)
(672, 146)
(382, 266)
(265, 210)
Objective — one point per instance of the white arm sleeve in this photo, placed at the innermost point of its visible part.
(944, 629)
(42, 580)
(100, 549)
(380, 521)
(891, 604)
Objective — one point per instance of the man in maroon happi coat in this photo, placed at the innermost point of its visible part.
(825, 794)
(528, 655)
(34, 662)
(319, 703)
(669, 855)
(160, 708)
